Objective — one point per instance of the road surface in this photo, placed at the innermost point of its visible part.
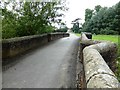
(50, 66)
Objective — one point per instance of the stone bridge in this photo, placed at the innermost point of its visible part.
(58, 60)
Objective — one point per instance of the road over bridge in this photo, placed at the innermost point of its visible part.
(50, 66)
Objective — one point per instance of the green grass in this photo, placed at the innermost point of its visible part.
(77, 34)
(112, 38)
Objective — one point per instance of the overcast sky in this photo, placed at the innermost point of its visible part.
(77, 8)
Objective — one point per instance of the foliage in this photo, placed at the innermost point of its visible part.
(64, 29)
(29, 18)
(8, 21)
(76, 28)
(88, 14)
(108, 32)
(102, 20)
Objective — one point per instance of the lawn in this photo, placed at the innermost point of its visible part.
(77, 34)
(112, 38)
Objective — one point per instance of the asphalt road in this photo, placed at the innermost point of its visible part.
(50, 66)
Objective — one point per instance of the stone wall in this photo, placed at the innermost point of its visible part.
(15, 46)
(98, 58)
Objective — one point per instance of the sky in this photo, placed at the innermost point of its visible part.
(77, 8)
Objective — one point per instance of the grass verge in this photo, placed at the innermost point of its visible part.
(112, 38)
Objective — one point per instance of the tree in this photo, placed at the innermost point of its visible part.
(97, 8)
(76, 27)
(8, 24)
(104, 20)
(116, 21)
(88, 14)
(29, 18)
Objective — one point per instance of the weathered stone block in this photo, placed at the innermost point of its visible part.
(96, 56)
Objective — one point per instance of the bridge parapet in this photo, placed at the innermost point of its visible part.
(98, 58)
(15, 46)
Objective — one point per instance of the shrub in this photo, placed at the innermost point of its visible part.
(8, 33)
(108, 32)
(62, 30)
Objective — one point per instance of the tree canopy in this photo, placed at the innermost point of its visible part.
(102, 20)
(30, 18)
(76, 25)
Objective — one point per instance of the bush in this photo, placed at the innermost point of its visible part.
(95, 31)
(108, 32)
(62, 30)
(49, 29)
(8, 33)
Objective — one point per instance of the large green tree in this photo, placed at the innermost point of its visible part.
(116, 21)
(88, 14)
(29, 18)
(102, 20)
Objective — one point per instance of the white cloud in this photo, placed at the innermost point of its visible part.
(77, 8)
